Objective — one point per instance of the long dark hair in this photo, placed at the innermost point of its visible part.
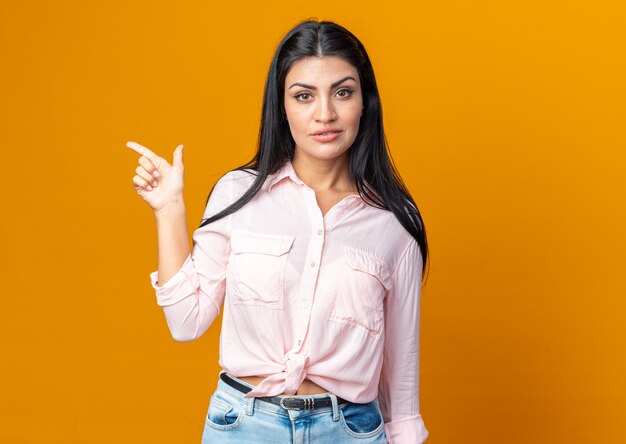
(369, 158)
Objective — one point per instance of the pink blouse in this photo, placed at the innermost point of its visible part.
(333, 298)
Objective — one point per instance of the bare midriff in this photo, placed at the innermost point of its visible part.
(306, 388)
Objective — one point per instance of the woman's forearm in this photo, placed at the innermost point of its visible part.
(173, 240)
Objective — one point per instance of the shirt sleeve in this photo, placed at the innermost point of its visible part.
(398, 389)
(192, 298)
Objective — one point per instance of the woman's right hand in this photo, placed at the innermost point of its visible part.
(157, 182)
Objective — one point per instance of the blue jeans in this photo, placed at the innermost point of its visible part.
(231, 418)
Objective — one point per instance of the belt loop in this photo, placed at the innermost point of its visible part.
(250, 406)
(333, 399)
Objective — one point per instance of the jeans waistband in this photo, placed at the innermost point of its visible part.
(276, 408)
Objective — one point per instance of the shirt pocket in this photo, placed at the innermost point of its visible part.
(257, 267)
(359, 298)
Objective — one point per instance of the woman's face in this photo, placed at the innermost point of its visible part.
(323, 93)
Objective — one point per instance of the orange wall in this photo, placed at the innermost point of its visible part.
(506, 121)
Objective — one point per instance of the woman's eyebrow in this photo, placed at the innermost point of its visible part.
(304, 85)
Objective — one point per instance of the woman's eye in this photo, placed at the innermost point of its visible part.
(347, 91)
(299, 96)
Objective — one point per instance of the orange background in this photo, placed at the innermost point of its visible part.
(506, 121)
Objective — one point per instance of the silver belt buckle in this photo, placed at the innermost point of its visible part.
(284, 406)
(309, 403)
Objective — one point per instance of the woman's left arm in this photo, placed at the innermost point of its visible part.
(398, 389)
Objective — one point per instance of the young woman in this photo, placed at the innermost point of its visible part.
(315, 252)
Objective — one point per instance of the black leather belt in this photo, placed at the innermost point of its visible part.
(287, 402)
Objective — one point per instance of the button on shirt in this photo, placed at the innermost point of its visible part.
(333, 298)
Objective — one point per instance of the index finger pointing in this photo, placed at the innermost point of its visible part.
(142, 150)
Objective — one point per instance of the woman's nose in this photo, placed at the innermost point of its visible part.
(325, 111)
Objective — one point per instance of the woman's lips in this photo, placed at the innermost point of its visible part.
(326, 137)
